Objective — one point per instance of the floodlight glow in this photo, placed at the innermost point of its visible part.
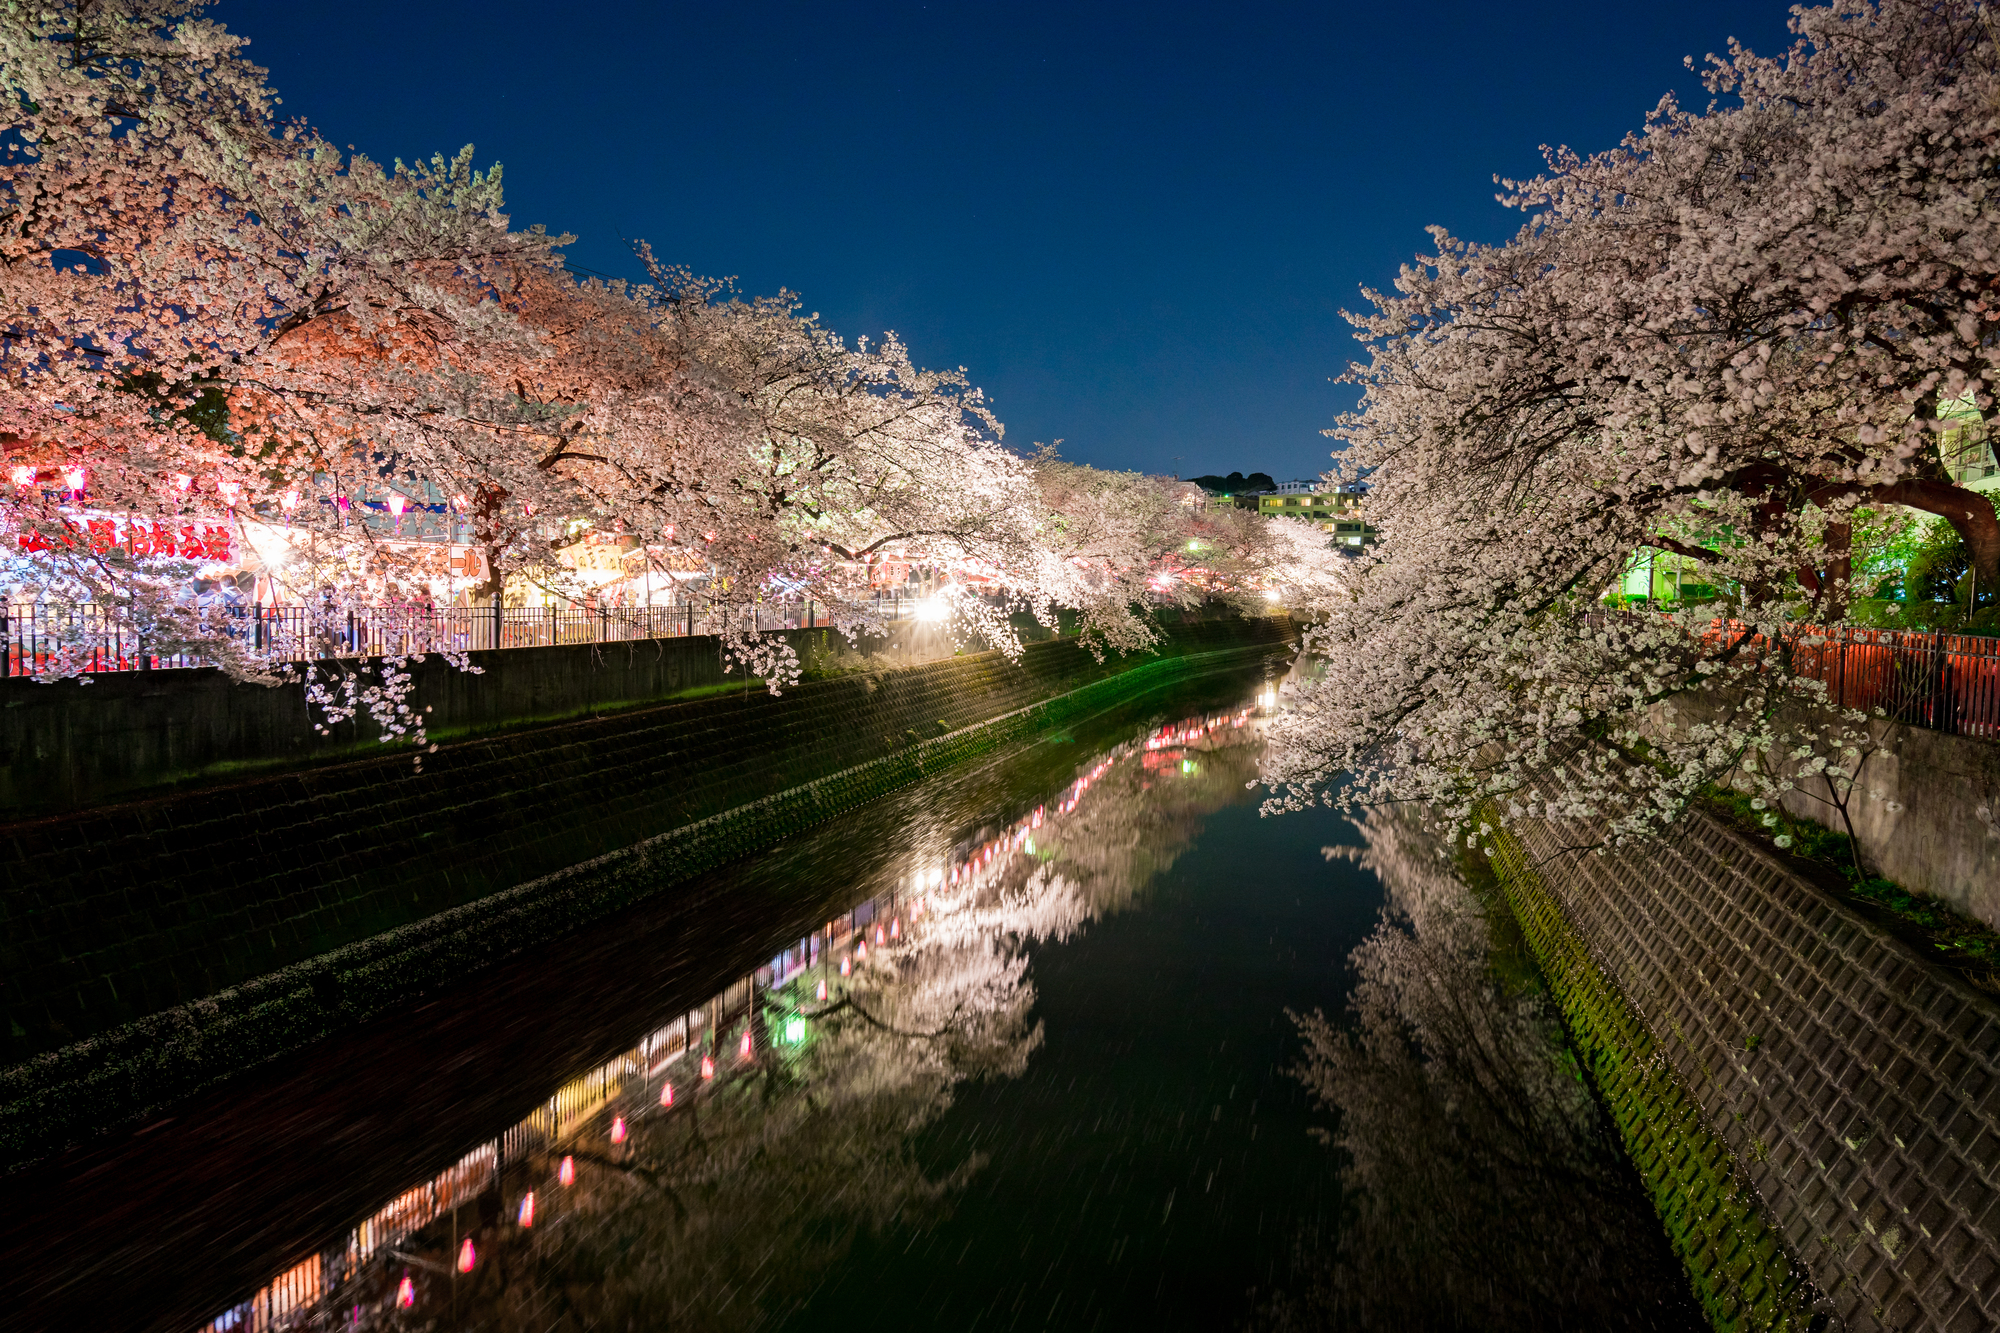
(795, 1030)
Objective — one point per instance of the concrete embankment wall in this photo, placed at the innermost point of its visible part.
(150, 948)
(119, 736)
(1926, 810)
(1803, 1093)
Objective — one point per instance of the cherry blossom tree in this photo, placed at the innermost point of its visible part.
(215, 320)
(1718, 339)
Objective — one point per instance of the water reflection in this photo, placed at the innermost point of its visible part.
(1485, 1188)
(714, 1173)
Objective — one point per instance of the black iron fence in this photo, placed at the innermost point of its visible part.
(42, 639)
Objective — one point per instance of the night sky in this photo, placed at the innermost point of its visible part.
(1135, 225)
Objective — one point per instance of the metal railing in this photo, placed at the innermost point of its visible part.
(1942, 682)
(39, 639)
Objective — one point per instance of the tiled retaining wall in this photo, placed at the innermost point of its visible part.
(284, 909)
(1850, 1082)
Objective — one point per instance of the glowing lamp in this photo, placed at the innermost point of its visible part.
(933, 609)
(795, 1030)
(460, 503)
(707, 1067)
(566, 1173)
(73, 478)
(231, 492)
(527, 1214)
(23, 476)
(666, 1094)
(406, 1293)
(822, 989)
(467, 1256)
(618, 1130)
(183, 482)
(743, 1047)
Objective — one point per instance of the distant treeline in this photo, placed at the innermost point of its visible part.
(1235, 482)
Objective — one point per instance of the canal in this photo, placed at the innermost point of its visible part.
(1032, 1045)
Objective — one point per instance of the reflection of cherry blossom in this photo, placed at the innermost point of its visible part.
(1485, 1188)
(726, 1202)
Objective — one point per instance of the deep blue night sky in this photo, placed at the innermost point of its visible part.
(1135, 225)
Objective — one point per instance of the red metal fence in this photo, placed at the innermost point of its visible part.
(1945, 682)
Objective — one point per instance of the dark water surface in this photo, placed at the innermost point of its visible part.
(1018, 1056)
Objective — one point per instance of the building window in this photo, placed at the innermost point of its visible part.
(1967, 454)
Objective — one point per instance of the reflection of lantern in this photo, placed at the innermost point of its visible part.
(896, 929)
(406, 1292)
(743, 1047)
(822, 988)
(466, 1256)
(707, 1067)
(618, 1129)
(566, 1173)
(666, 1094)
(527, 1216)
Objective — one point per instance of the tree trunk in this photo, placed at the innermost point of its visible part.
(1967, 511)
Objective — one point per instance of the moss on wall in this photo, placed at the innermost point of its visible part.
(1734, 1255)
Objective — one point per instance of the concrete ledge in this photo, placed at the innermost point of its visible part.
(72, 744)
(1926, 812)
